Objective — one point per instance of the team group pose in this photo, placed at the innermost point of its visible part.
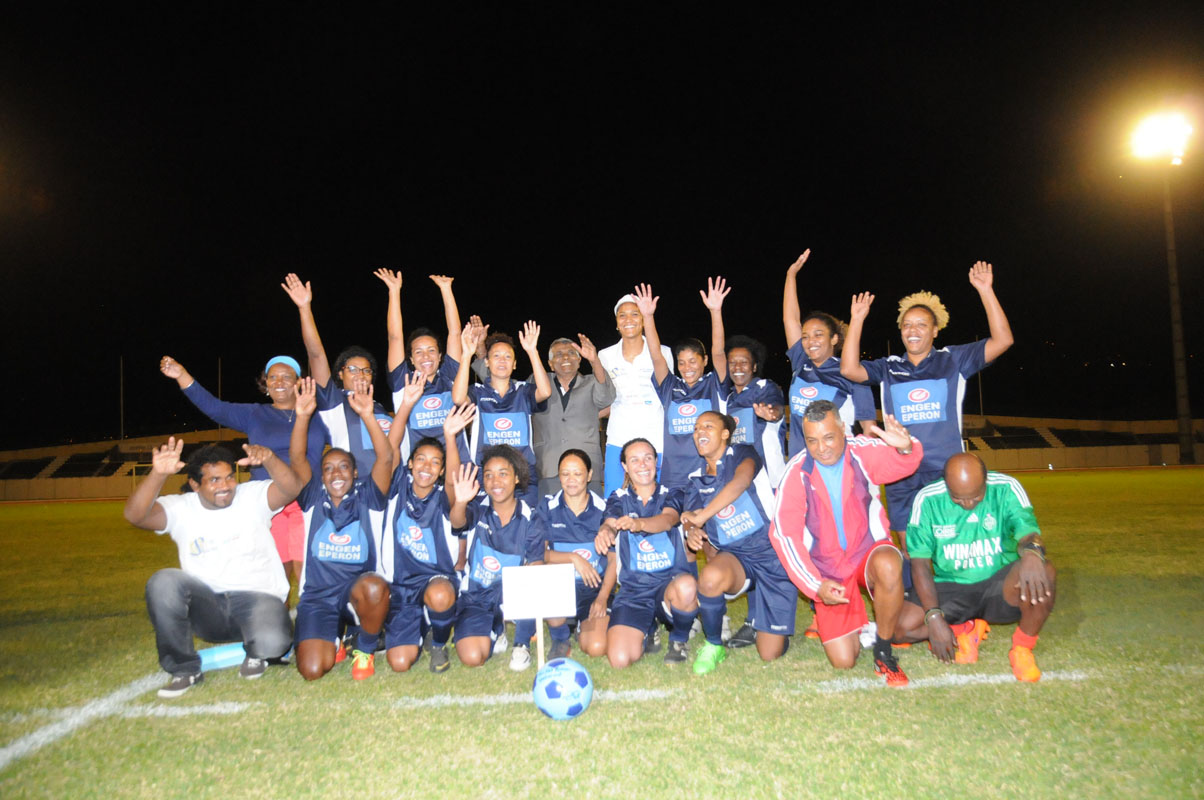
(715, 484)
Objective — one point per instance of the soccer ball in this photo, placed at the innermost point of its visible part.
(562, 689)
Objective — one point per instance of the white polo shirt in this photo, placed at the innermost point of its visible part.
(229, 549)
(636, 411)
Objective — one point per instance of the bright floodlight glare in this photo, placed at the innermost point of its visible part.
(1162, 136)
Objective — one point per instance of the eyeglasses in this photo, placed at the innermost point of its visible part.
(352, 369)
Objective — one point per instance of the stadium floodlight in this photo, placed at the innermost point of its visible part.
(1162, 136)
(1162, 139)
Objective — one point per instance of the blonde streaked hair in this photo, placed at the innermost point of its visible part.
(929, 301)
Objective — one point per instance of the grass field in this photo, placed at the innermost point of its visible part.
(1120, 711)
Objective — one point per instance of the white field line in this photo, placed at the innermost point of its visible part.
(941, 682)
(445, 700)
(76, 718)
(135, 712)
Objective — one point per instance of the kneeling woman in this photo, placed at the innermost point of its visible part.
(728, 498)
(343, 518)
(499, 530)
(658, 582)
(568, 523)
(419, 551)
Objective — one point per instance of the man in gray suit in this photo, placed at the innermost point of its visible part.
(570, 416)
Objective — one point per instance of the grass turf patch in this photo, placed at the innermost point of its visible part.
(1119, 712)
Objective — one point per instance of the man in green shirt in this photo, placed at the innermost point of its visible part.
(976, 558)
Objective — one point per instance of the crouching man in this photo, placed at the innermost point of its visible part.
(977, 558)
(230, 585)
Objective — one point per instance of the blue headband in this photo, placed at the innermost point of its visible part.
(287, 361)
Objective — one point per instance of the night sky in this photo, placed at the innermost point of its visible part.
(161, 170)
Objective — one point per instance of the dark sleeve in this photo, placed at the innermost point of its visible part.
(674, 499)
(311, 493)
(397, 376)
(797, 356)
(537, 534)
(743, 452)
(876, 369)
(375, 498)
(330, 396)
(970, 358)
(232, 415)
(772, 394)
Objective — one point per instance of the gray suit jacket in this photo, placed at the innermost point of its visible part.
(557, 429)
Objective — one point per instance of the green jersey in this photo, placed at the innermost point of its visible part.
(968, 546)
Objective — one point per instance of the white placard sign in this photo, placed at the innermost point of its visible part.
(540, 591)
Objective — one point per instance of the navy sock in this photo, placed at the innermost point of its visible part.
(711, 609)
(682, 622)
(524, 629)
(366, 642)
(559, 633)
(441, 625)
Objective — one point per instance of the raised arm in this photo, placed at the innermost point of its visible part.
(451, 313)
(982, 278)
(712, 298)
(397, 341)
(232, 415)
(850, 352)
(175, 370)
(453, 424)
(529, 339)
(142, 509)
(361, 403)
(791, 316)
(589, 354)
(465, 488)
(298, 443)
(286, 483)
(468, 343)
(411, 393)
(646, 303)
(302, 294)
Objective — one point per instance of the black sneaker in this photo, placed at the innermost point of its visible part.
(439, 659)
(180, 684)
(678, 652)
(426, 641)
(252, 668)
(745, 637)
(652, 641)
(560, 650)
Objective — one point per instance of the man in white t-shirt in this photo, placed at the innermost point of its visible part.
(230, 585)
(637, 412)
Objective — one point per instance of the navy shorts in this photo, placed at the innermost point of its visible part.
(477, 616)
(773, 604)
(901, 494)
(643, 607)
(407, 611)
(319, 616)
(982, 600)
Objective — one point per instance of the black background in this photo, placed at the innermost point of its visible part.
(161, 169)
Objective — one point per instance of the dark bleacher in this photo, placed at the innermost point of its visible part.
(1014, 437)
(80, 465)
(23, 469)
(1076, 438)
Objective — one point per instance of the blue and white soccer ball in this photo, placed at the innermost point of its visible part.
(563, 689)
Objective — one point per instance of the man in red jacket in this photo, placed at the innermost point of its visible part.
(831, 533)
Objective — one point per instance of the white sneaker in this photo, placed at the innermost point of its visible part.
(520, 659)
(727, 628)
(869, 634)
(500, 644)
(696, 628)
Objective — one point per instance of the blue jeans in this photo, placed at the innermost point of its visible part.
(181, 606)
